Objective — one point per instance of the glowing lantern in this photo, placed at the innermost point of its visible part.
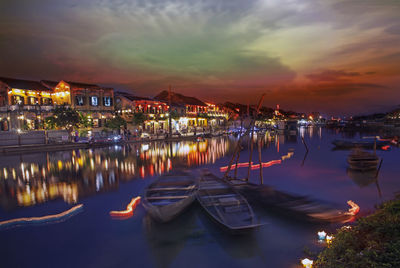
(307, 263)
(129, 209)
(329, 239)
(354, 208)
(321, 235)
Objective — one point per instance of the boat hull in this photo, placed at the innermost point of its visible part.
(226, 206)
(169, 196)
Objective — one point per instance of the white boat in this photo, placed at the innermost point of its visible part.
(169, 196)
(224, 204)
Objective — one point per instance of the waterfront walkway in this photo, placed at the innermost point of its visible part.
(31, 148)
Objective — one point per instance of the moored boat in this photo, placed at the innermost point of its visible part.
(362, 160)
(169, 196)
(367, 144)
(224, 204)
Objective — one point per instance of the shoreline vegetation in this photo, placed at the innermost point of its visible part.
(374, 241)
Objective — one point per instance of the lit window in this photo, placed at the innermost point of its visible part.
(32, 100)
(94, 100)
(46, 101)
(80, 100)
(17, 100)
(107, 101)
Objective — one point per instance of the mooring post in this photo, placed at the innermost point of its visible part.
(304, 142)
(251, 152)
(237, 160)
(259, 159)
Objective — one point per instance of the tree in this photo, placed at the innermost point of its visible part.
(175, 115)
(139, 119)
(63, 117)
(116, 123)
(84, 121)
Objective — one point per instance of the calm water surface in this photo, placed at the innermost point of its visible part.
(106, 179)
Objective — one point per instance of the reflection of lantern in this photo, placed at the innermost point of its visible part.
(307, 263)
(321, 235)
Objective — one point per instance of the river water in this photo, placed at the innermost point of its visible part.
(106, 179)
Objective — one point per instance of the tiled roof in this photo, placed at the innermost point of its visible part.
(23, 84)
(130, 96)
(48, 83)
(82, 85)
(179, 99)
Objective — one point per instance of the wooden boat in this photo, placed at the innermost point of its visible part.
(290, 205)
(367, 144)
(224, 204)
(169, 195)
(362, 160)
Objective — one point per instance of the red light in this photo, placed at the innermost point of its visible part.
(386, 147)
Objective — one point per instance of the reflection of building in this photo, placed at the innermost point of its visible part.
(25, 103)
(71, 175)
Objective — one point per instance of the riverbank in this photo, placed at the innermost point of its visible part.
(373, 242)
(33, 148)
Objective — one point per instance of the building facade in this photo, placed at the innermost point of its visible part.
(24, 104)
(154, 111)
(90, 99)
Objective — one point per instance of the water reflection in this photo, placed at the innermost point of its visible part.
(70, 175)
(166, 240)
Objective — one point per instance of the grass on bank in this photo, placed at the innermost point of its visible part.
(373, 242)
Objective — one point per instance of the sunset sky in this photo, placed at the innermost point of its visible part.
(335, 56)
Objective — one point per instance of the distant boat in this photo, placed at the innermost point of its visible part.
(169, 195)
(225, 205)
(362, 160)
(367, 144)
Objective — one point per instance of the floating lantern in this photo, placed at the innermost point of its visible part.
(321, 235)
(44, 219)
(129, 209)
(386, 147)
(354, 208)
(307, 263)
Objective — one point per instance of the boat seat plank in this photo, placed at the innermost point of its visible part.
(235, 209)
(167, 197)
(172, 188)
(227, 201)
(218, 196)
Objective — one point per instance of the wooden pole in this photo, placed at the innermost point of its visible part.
(231, 162)
(236, 164)
(260, 160)
(169, 113)
(379, 168)
(376, 179)
(304, 142)
(251, 152)
(237, 149)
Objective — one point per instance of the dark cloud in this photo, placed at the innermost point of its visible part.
(331, 75)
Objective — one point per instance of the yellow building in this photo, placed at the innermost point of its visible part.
(24, 104)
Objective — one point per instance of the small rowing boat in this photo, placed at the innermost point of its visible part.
(224, 204)
(169, 196)
(362, 160)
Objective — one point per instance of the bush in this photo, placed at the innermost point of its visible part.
(373, 242)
